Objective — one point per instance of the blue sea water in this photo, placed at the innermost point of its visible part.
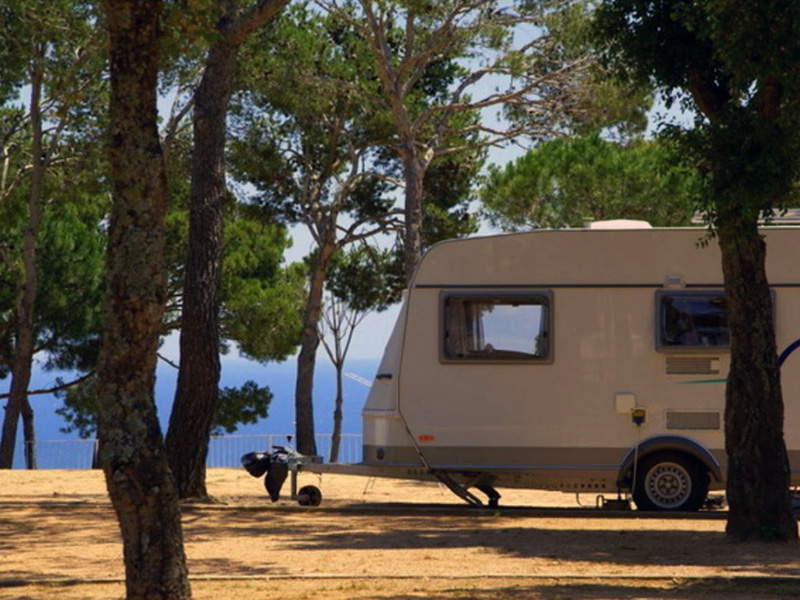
(280, 377)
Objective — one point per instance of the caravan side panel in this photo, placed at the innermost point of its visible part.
(565, 421)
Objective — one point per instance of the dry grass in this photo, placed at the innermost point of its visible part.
(59, 540)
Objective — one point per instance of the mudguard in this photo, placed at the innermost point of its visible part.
(674, 443)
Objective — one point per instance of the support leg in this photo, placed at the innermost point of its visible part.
(493, 494)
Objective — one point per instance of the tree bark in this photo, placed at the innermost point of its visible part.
(197, 392)
(138, 478)
(26, 298)
(758, 467)
(414, 173)
(306, 359)
(29, 434)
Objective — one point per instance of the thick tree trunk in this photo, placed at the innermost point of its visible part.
(306, 359)
(758, 468)
(139, 481)
(197, 393)
(26, 298)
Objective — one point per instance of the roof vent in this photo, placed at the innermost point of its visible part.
(620, 224)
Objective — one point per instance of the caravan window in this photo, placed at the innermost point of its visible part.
(492, 327)
(692, 319)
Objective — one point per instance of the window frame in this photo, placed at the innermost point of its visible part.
(534, 296)
(689, 348)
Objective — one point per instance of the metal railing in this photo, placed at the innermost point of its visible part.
(223, 451)
(226, 450)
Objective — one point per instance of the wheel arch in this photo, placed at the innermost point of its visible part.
(669, 443)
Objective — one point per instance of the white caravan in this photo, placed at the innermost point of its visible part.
(585, 360)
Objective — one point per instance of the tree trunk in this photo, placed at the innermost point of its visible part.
(197, 392)
(26, 298)
(758, 467)
(139, 481)
(306, 359)
(97, 462)
(414, 174)
(29, 434)
(336, 437)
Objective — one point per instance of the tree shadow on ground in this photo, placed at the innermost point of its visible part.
(629, 545)
(663, 543)
(602, 590)
(679, 546)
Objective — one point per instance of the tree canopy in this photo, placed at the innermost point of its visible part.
(48, 140)
(432, 60)
(568, 182)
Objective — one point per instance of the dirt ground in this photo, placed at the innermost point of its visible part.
(382, 539)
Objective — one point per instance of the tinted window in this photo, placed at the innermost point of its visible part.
(693, 319)
(496, 328)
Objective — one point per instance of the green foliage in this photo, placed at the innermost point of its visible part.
(261, 300)
(70, 239)
(593, 101)
(309, 120)
(564, 183)
(244, 405)
(367, 278)
(679, 43)
(188, 29)
(13, 61)
(70, 262)
(662, 41)
(311, 67)
(449, 188)
(79, 409)
(74, 53)
(72, 259)
(736, 65)
(237, 406)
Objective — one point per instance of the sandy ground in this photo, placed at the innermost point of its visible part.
(382, 539)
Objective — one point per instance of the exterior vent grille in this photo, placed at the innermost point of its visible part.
(677, 419)
(692, 365)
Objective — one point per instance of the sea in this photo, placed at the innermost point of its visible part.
(57, 449)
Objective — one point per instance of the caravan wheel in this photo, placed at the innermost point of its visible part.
(670, 481)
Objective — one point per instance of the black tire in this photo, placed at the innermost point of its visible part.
(670, 481)
(309, 495)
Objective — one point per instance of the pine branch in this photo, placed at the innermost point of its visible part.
(57, 388)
